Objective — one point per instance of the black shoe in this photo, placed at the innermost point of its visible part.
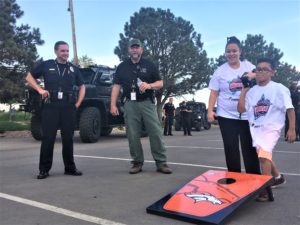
(190, 134)
(165, 135)
(170, 134)
(73, 172)
(43, 175)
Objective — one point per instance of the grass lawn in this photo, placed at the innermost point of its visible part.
(17, 122)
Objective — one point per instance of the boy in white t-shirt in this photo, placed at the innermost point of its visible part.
(266, 105)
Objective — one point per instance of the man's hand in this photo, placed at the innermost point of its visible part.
(114, 110)
(145, 86)
(44, 93)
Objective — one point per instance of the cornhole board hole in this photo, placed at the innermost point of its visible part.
(210, 197)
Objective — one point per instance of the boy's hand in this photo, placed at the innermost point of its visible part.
(290, 135)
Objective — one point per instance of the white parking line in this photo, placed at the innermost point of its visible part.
(216, 148)
(171, 163)
(58, 210)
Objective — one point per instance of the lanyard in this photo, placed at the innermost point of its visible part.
(63, 73)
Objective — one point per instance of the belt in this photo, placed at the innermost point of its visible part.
(126, 99)
(67, 97)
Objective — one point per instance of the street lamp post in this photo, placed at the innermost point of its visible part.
(73, 31)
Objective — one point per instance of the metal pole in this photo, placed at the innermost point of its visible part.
(73, 32)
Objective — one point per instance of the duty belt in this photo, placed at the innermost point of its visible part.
(67, 97)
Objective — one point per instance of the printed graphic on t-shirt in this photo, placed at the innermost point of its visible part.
(144, 70)
(262, 107)
(235, 85)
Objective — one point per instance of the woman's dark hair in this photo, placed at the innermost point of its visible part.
(233, 40)
(57, 44)
(267, 60)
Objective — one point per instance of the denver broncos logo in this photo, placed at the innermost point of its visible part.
(262, 107)
(204, 197)
(235, 85)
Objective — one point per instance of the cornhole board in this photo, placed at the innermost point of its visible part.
(210, 197)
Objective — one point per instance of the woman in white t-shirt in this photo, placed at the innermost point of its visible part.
(225, 86)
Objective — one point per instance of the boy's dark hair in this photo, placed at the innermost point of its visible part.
(267, 60)
(233, 40)
(57, 44)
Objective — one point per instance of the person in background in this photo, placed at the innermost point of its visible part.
(298, 115)
(295, 101)
(60, 104)
(225, 88)
(139, 77)
(266, 105)
(186, 116)
(169, 113)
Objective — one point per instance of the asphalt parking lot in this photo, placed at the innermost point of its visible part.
(107, 194)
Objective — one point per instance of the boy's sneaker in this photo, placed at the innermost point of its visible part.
(278, 181)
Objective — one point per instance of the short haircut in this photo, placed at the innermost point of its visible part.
(57, 44)
(233, 40)
(267, 60)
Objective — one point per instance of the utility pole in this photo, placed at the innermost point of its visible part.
(73, 31)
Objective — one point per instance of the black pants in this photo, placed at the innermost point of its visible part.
(168, 125)
(186, 124)
(54, 116)
(233, 132)
(297, 125)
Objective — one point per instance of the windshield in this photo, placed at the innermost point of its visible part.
(87, 75)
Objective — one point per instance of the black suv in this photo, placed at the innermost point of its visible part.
(199, 116)
(93, 116)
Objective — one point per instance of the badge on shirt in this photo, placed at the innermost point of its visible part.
(71, 69)
(51, 69)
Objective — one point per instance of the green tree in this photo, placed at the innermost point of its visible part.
(255, 47)
(173, 45)
(18, 51)
(85, 61)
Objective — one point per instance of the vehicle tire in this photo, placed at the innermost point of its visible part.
(36, 127)
(198, 126)
(105, 131)
(90, 125)
(177, 126)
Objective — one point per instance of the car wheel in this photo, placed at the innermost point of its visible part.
(90, 125)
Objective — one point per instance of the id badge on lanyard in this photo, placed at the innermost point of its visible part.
(132, 96)
(60, 95)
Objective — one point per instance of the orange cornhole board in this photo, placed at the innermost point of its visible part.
(210, 197)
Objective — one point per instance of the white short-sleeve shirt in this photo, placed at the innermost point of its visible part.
(227, 81)
(266, 108)
(267, 105)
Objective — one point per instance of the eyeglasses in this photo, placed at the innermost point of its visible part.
(263, 70)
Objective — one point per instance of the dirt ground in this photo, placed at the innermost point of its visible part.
(15, 134)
